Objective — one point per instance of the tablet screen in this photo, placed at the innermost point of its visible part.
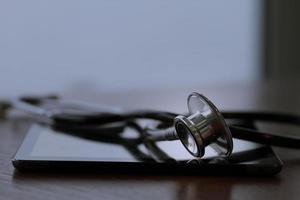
(44, 143)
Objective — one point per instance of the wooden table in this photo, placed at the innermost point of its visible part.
(262, 96)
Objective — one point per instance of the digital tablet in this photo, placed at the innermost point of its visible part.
(45, 149)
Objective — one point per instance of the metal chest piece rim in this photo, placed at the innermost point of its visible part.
(204, 126)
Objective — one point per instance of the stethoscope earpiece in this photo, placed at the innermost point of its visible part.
(204, 126)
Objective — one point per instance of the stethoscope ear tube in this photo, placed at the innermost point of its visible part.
(253, 135)
(264, 116)
(264, 137)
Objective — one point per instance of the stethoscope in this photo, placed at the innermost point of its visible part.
(203, 126)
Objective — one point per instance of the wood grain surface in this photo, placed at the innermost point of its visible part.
(17, 185)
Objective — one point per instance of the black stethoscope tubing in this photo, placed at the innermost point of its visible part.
(98, 122)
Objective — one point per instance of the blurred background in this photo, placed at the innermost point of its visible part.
(54, 46)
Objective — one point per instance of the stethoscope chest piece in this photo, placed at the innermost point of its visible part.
(204, 126)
